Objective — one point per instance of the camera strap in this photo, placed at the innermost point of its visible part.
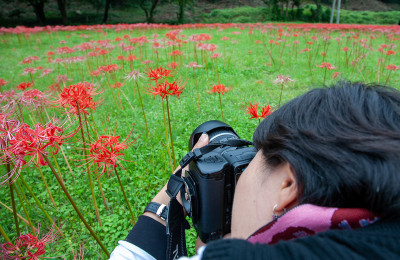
(176, 222)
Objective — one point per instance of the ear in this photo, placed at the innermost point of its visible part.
(288, 190)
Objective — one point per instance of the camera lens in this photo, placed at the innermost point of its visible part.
(217, 132)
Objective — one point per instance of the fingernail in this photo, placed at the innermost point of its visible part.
(203, 137)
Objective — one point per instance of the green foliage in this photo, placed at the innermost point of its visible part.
(248, 65)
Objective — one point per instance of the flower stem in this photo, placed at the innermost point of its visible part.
(3, 233)
(166, 137)
(65, 158)
(88, 170)
(13, 201)
(123, 192)
(141, 104)
(102, 193)
(62, 185)
(280, 97)
(47, 187)
(24, 209)
(220, 105)
(36, 200)
(170, 134)
(18, 215)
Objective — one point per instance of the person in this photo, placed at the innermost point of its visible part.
(325, 183)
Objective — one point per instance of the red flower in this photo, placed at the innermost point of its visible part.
(390, 52)
(28, 246)
(3, 82)
(107, 151)
(176, 53)
(392, 67)
(220, 88)
(78, 95)
(173, 65)
(158, 73)
(108, 68)
(24, 85)
(117, 85)
(166, 89)
(253, 111)
(326, 65)
(34, 97)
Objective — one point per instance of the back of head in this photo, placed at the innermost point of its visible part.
(343, 143)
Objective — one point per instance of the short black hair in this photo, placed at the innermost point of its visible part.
(343, 143)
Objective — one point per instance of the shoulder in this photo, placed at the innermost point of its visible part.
(377, 241)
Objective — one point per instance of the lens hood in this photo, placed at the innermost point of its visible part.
(212, 128)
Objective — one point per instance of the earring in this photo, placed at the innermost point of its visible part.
(274, 215)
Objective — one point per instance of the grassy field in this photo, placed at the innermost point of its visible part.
(247, 58)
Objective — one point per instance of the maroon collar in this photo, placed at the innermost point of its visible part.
(307, 219)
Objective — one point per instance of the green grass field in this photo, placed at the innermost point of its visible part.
(251, 58)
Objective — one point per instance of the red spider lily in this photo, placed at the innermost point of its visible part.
(220, 88)
(390, 52)
(335, 74)
(176, 53)
(24, 85)
(193, 65)
(253, 111)
(215, 55)
(34, 141)
(158, 73)
(173, 65)
(46, 72)
(117, 85)
(108, 68)
(166, 89)
(392, 67)
(283, 79)
(3, 82)
(29, 70)
(78, 95)
(62, 79)
(28, 246)
(107, 152)
(133, 75)
(20, 141)
(326, 65)
(34, 97)
(131, 57)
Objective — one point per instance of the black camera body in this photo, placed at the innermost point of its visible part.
(211, 179)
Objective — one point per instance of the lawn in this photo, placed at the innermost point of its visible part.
(40, 69)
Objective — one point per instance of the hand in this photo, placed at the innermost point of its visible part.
(162, 196)
(200, 243)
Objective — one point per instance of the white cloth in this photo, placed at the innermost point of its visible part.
(128, 251)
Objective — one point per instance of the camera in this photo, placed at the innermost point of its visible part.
(211, 179)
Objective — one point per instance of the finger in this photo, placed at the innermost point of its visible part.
(203, 141)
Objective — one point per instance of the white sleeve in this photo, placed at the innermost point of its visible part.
(196, 257)
(128, 251)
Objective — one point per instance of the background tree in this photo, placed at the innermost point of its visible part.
(181, 13)
(63, 10)
(106, 9)
(38, 8)
(148, 6)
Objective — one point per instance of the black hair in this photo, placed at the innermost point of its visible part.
(343, 143)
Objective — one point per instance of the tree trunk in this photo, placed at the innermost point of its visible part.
(181, 13)
(144, 9)
(287, 9)
(38, 8)
(63, 11)
(107, 7)
(151, 13)
(338, 12)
